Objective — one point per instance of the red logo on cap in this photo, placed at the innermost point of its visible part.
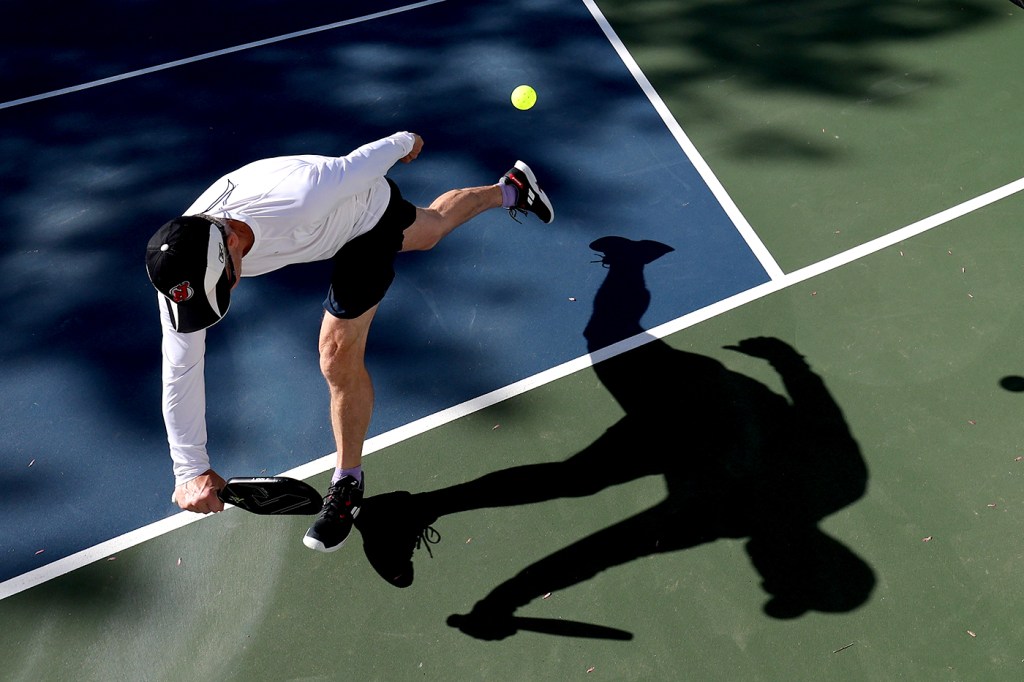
(181, 293)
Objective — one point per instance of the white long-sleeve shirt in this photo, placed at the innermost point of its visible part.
(300, 209)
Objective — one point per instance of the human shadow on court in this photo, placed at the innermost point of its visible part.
(739, 461)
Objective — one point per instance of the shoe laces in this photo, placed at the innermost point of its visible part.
(427, 537)
(513, 212)
(338, 497)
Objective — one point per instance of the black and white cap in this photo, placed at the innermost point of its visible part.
(186, 260)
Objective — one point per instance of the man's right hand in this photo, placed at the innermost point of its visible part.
(200, 494)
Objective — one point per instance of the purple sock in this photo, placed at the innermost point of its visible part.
(509, 195)
(354, 472)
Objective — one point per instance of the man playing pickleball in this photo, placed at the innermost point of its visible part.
(298, 209)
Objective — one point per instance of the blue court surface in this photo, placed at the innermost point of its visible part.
(89, 173)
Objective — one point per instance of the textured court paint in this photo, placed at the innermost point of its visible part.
(495, 303)
(209, 55)
(781, 101)
(902, 348)
(190, 29)
(693, 613)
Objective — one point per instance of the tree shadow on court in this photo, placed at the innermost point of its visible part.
(739, 460)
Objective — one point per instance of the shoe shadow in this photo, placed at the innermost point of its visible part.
(782, 464)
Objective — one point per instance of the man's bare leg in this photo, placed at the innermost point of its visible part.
(448, 211)
(342, 362)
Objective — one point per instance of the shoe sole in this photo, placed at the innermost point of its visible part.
(318, 546)
(536, 186)
(321, 547)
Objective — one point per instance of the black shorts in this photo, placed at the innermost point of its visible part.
(364, 268)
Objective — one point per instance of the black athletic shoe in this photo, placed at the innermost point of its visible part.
(341, 506)
(531, 199)
(393, 527)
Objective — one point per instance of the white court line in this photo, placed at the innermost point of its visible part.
(744, 228)
(384, 440)
(779, 281)
(216, 53)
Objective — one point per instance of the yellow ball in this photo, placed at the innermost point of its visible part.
(524, 97)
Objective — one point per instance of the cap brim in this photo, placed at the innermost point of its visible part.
(202, 310)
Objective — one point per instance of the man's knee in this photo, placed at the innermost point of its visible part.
(343, 345)
(338, 361)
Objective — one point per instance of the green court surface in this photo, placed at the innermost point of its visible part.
(830, 127)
